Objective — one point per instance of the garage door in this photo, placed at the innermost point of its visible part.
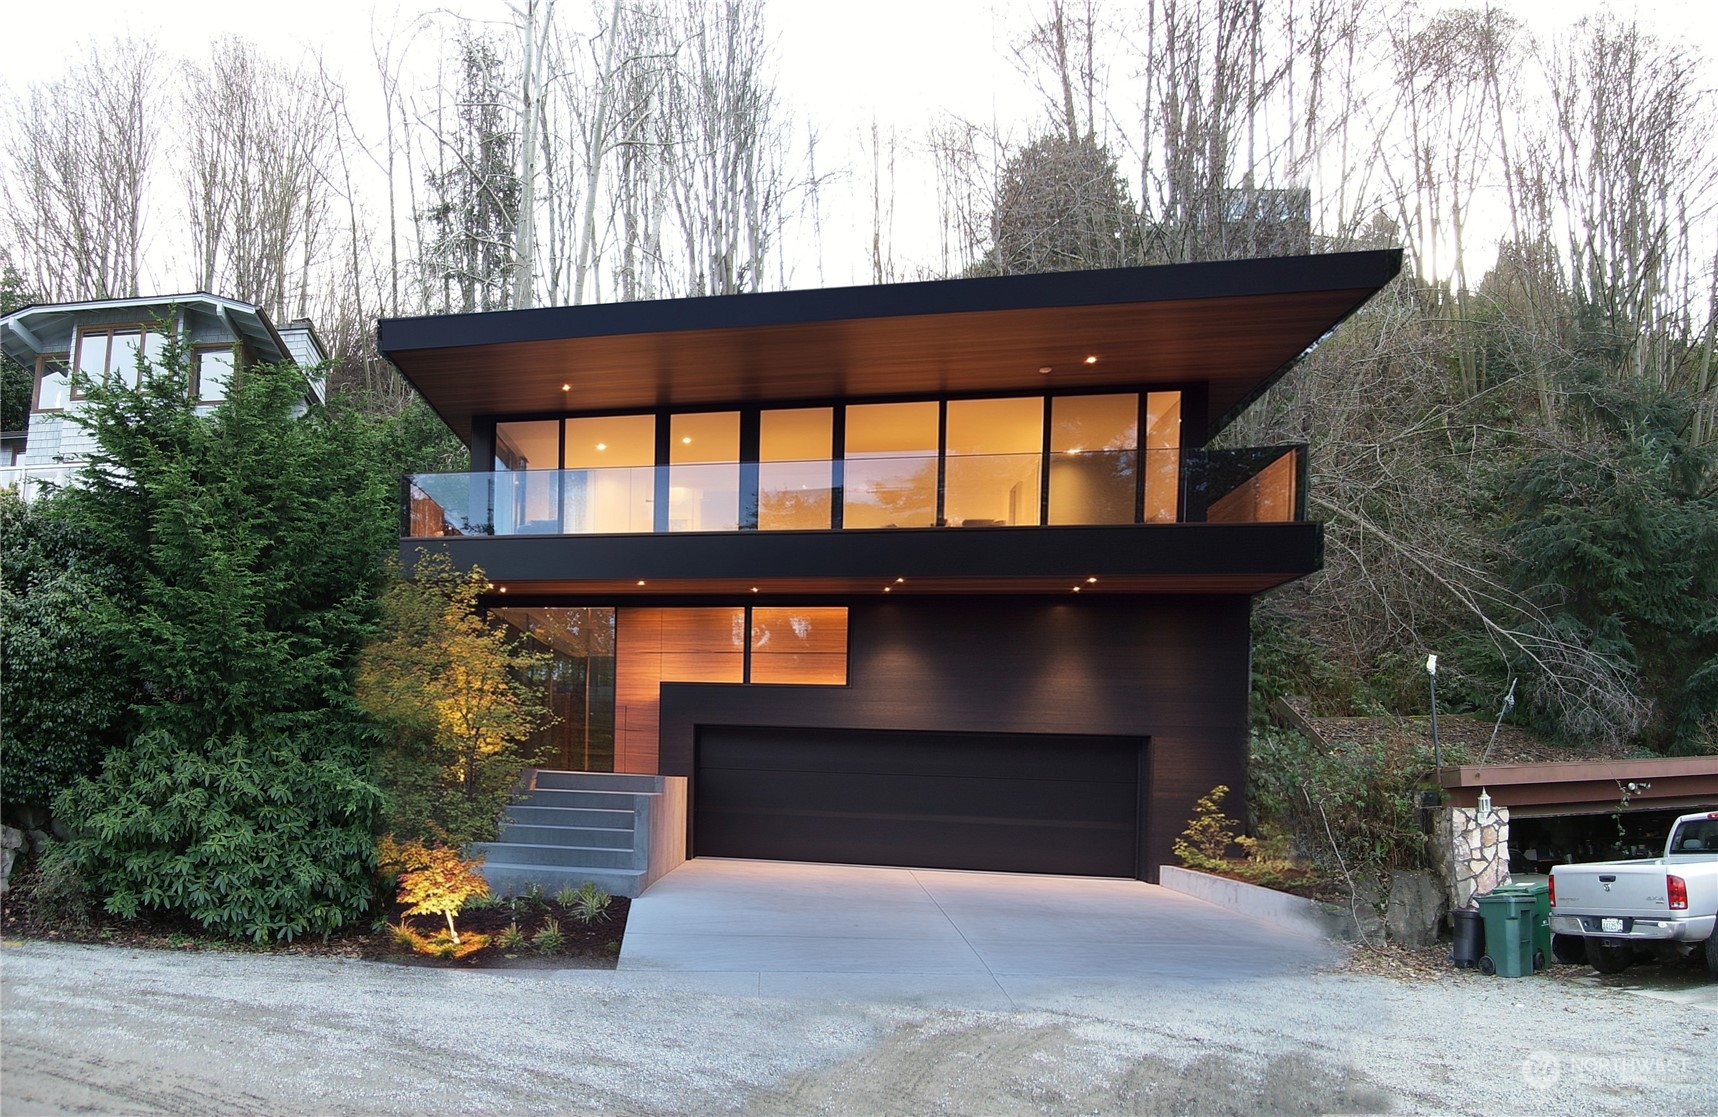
(1000, 802)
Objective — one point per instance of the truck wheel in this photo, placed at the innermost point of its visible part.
(1712, 955)
(1571, 950)
(1609, 957)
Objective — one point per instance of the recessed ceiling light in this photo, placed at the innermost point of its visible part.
(886, 589)
(687, 440)
(1045, 371)
(503, 589)
(1091, 360)
(754, 589)
(641, 581)
(1091, 581)
(1076, 589)
(566, 387)
(602, 446)
(898, 581)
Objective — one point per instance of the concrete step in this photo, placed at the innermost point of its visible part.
(591, 836)
(509, 879)
(549, 779)
(598, 800)
(528, 814)
(570, 857)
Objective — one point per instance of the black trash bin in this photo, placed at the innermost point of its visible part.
(1469, 942)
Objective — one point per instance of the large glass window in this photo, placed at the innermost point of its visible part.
(890, 474)
(995, 456)
(704, 471)
(527, 486)
(799, 644)
(577, 681)
(1094, 457)
(1162, 457)
(214, 373)
(794, 470)
(53, 383)
(110, 353)
(610, 485)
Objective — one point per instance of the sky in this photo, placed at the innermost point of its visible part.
(900, 63)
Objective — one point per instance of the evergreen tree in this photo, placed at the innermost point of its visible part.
(246, 543)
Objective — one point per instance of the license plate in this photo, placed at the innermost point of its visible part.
(1611, 925)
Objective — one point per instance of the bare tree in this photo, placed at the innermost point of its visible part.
(79, 157)
(257, 136)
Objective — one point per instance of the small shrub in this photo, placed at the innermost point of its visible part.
(568, 896)
(483, 901)
(510, 938)
(1209, 834)
(590, 904)
(432, 880)
(56, 893)
(550, 939)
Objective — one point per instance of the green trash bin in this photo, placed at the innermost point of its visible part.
(1508, 934)
(1541, 892)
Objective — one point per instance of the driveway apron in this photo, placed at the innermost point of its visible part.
(835, 930)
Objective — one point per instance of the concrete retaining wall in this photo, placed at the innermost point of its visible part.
(1292, 913)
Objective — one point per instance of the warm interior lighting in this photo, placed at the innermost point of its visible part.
(602, 446)
(687, 441)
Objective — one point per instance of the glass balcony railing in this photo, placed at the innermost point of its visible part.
(1251, 485)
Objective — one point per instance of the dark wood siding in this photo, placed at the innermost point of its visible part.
(1012, 802)
(1173, 670)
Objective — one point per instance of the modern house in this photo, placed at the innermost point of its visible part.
(102, 338)
(938, 574)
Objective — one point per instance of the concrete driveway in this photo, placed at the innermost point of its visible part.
(985, 939)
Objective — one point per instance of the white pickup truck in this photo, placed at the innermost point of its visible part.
(1663, 905)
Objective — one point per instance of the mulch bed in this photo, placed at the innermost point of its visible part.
(594, 945)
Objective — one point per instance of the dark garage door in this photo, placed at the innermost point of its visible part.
(1002, 802)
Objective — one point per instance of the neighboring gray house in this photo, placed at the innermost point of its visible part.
(101, 337)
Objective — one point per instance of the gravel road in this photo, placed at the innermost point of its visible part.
(115, 1030)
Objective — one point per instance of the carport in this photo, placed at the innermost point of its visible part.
(834, 930)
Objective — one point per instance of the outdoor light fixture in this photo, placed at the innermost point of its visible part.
(1484, 803)
(1045, 371)
(602, 446)
(1091, 581)
(1091, 360)
(503, 589)
(687, 441)
(641, 581)
(1437, 749)
(566, 387)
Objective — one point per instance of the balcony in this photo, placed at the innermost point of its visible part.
(999, 491)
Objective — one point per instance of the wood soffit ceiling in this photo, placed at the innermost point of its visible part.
(1235, 326)
(739, 591)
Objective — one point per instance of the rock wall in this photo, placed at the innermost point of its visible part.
(1473, 851)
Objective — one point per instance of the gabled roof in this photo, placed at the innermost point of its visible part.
(1235, 326)
(23, 332)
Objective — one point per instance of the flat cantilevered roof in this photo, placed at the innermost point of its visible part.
(1233, 325)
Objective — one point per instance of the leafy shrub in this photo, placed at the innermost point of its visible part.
(590, 903)
(56, 892)
(1210, 834)
(550, 939)
(510, 938)
(1349, 808)
(567, 896)
(259, 839)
